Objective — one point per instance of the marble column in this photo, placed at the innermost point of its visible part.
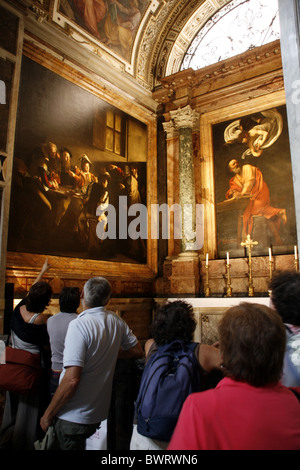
(185, 119)
(181, 267)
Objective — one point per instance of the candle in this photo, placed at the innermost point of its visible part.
(227, 257)
(295, 249)
(206, 258)
(270, 254)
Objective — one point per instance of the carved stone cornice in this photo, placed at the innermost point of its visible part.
(203, 85)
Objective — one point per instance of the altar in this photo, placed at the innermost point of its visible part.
(209, 310)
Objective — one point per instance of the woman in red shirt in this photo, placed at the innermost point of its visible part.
(249, 409)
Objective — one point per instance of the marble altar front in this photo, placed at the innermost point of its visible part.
(209, 311)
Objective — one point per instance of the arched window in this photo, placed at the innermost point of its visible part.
(237, 27)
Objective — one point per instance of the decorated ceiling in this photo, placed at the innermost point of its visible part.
(146, 39)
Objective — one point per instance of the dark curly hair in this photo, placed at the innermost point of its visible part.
(39, 296)
(285, 296)
(173, 320)
(69, 299)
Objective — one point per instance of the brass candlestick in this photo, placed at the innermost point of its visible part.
(207, 289)
(249, 244)
(229, 289)
(296, 264)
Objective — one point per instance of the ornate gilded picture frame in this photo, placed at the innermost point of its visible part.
(248, 170)
(94, 145)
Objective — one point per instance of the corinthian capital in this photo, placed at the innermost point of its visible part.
(170, 129)
(185, 117)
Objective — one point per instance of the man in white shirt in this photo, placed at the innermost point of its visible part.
(94, 342)
(57, 327)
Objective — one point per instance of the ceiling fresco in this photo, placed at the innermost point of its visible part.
(114, 23)
(144, 38)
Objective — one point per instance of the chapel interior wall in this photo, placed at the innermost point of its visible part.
(225, 91)
(230, 85)
(132, 282)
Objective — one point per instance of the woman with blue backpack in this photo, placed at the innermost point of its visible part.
(175, 367)
(249, 409)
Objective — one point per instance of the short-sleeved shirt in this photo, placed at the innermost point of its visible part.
(57, 327)
(93, 342)
(238, 416)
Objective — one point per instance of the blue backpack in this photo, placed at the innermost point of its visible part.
(170, 375)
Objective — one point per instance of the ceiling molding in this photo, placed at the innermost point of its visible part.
(188, 33)
(166, 29)
(160, 33)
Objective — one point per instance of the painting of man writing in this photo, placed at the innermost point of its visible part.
(252, 166)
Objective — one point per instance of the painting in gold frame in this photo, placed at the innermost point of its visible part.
(67, 116)
(224, 218)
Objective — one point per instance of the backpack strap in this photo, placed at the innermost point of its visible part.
(177, 345)
(32, 319)
(295, 392)
(288, 328)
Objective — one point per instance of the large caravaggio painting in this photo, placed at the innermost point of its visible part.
(75, 157)
(253, 183)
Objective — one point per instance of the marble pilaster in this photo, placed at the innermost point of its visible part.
(172, 180)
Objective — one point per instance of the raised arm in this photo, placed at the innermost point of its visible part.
(45, 268)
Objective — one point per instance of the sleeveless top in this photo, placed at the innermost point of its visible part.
(27, 336)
